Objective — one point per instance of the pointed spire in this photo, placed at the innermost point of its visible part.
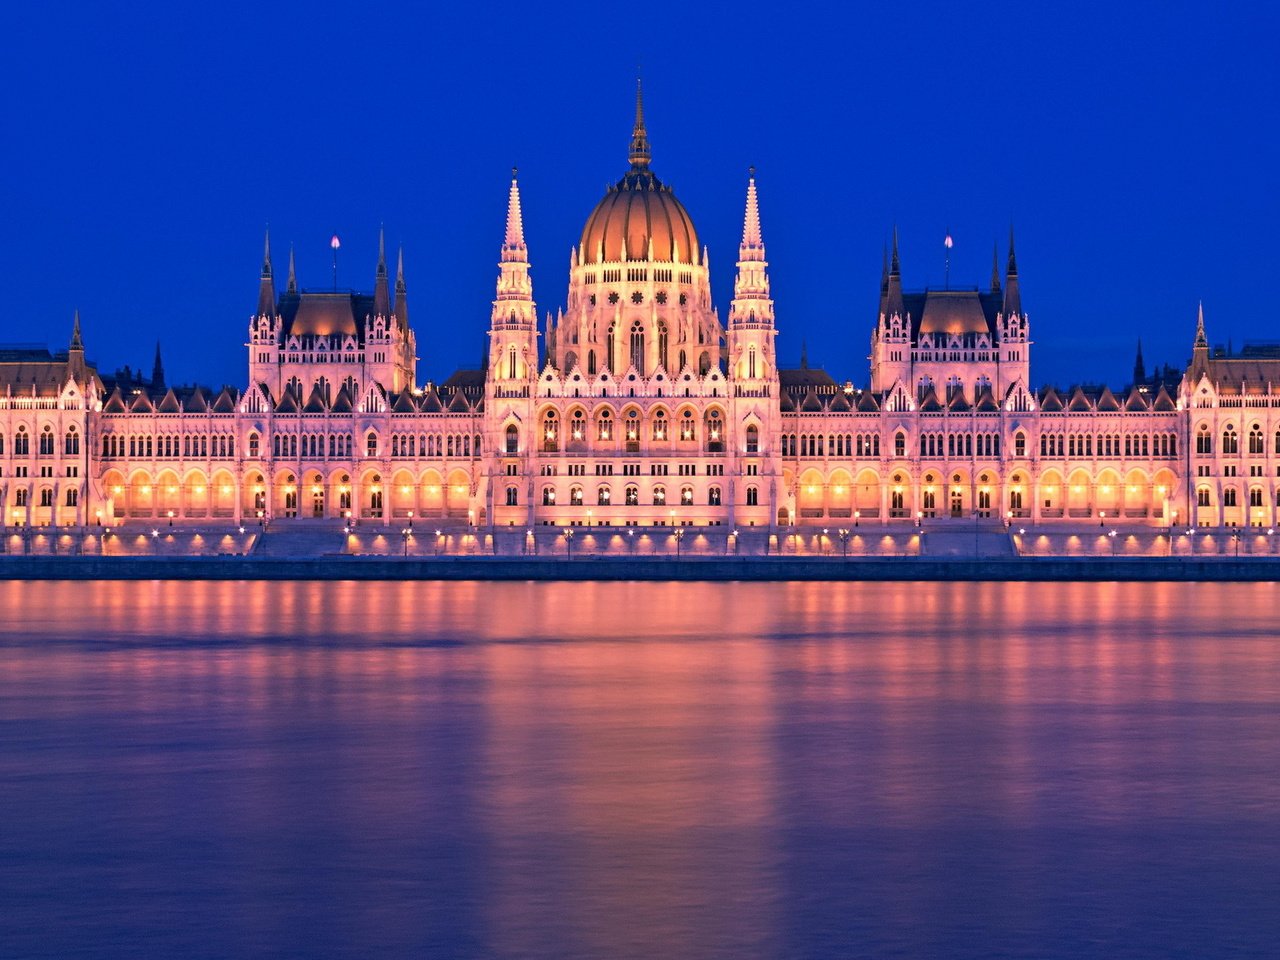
(402, 297)
(1139, 366)
(893, 302)
(751, 237)
(894, 266)
(1012, 291)
(76, 342)
(1201, 340)
(513, 245)
(157, 371)
(640, 154)
(804, 355)
(381, 290)
(266, 286)
(293, 276)
(995, 267)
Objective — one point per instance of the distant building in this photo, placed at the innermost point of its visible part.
(640, 407)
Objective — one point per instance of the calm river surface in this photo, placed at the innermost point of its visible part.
(639, 770)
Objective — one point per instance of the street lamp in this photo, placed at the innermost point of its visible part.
(844, 542)
(735, 542)
(171, 518)
(679, 535)
(1112, 536)
(857, 515)
(405, 534)
(568, 541)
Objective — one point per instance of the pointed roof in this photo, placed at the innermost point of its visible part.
(459, 403)
(315, 403)
(986, 402)
(76, 342)
(287, 403)
(157, 371)
(840, 404)
(893, 303)
(431, 401)
(1107, 402)
(929, 402)
(1079, 400)
(1136, 401)
(811, 403)
(342, 402)
(868, 403)
(196, 401)
(957, 403)
(226, 402)
(1050, 402)
(404, 403)
(115, 402)
(1201, 340)
(169, 404)
(640, 154)
(142, 404)
(1163, 402)
(786, 404)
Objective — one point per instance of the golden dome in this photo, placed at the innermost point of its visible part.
(638, 210)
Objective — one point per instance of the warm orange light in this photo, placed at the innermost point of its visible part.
(146, 489)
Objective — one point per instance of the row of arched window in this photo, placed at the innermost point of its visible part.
(47, 443)
(22, 497)
(831, 445)
(1230, 497)
(578, 430)
(936, 445)
(433, 445)
(1109, 445)
(169, 446)
(630, 496)
(1231, 440)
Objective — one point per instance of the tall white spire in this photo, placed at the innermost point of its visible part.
(513, 246)
(752, 282)
(752, 241)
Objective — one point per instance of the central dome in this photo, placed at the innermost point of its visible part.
(639, 210)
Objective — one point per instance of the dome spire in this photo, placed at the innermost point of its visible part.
(751, 237)
(640, 155)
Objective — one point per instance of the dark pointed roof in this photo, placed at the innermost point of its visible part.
(226, 402)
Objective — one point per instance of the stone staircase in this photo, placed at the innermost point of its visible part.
(301, 538)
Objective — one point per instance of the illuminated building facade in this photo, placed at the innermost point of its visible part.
(639, 408)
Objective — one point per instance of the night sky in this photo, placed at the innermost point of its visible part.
(1134, 150)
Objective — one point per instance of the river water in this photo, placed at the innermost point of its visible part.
(639, 770)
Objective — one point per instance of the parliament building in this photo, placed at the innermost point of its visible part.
(636, 405)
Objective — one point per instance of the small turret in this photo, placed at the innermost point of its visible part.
(157, 372)
(1139, 366)
(893, 302)
(402, 296)
(293, 277)
(75, 352)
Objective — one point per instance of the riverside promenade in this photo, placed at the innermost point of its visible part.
(298, 551)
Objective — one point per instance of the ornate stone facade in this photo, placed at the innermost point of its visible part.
(640, 409)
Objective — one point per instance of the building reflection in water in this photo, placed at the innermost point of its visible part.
(582, 769)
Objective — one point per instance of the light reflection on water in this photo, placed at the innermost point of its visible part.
(633, 770)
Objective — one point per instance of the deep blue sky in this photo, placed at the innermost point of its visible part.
(1136, 150)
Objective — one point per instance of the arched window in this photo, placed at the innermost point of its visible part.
(1019, 445)
(548, 496)
(578, 425)
(659, 496)
(604, 425)
(550, 434)
(20, 497)
(713, 497)
(1255, 440)
(1229, 497)
(715, 432)
(1204, 441)
(575, 496)
(637, 346)
(73, 496)
(602, 496)
(513, 439)
(71, 442)
(371, 444)
(659, 425)
(46, 442)
(21, 443)
(662, 344)
(1230, 441)
(687, 429)
(512, 497)
(632, 497)
(1255, 497)
(899, 444)
(253, 445)
(753, 497)
(753, 439)
(686, 496)
(46, 497)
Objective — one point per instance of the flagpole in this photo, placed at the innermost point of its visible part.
(947, 273)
